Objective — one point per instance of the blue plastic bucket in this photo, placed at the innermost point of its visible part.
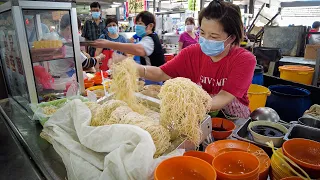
(258, 75)
(290, 102)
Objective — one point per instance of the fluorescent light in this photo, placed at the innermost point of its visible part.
(117, 3)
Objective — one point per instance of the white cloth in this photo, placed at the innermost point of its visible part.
(116, 152)
(148, 46)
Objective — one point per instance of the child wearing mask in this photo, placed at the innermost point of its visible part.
(110, 33)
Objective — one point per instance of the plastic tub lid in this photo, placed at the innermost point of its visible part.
(296, 68)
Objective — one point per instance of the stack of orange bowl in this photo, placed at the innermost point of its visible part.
(305, 153)
(201, 155)
(278, 169)
(184, 168)
(236, 165)
(223, 146)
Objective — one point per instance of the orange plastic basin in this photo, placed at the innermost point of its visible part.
(304, 152)
(184, 168)
(227, 125)
(236, 165)
(218, 147)
(202, 155)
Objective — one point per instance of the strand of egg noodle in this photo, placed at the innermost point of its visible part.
(124, 84)
(183, 106)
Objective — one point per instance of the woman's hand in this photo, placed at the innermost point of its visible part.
(100, 43)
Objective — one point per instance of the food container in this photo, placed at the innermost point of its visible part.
(277, 141)
(201, 155)
(305, 153)
(297, 73)
(184, 168)
(257, 96)
(301, 131)
(222, 128)
(236, 165)
(219, 147)
(311, 122)
(278, 168)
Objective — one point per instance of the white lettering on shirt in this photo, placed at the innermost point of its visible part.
(212, 81)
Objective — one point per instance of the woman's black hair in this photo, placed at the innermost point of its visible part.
(147, 18)
(228, 15)
(95, 5)
(65, 21)
(110, 20)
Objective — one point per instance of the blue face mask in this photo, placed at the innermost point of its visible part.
(211, 47)
(113, 29)
(140, 30)
(95, 15)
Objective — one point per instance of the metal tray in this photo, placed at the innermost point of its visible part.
(243, 134)
(301, 131)
(182, 143)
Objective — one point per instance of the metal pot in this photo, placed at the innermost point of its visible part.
(265, 114)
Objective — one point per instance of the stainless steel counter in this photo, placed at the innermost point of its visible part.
(27, 132)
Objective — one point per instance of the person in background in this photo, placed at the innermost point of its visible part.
(66, 68)
(314, 38)
(135, 39)
(93, 28)
(31, 29)
(189, 36)
(111, 33)
(217, 63)
(149, 48)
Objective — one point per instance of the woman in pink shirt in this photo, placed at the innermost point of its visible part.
(189, 36)
(217, 63)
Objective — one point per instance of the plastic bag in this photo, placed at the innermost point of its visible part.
(41, 110)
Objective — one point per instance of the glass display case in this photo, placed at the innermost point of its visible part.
(40, 50)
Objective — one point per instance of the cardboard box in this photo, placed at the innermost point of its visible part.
(311, 51)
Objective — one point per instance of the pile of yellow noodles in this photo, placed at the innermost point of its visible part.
(183, 106)
(124, 84)
(117, 112)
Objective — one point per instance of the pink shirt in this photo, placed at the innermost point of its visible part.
(233, 74)
(187, 40)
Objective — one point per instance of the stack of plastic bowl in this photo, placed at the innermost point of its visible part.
(305, 153)
(278, 169)
(201, 155)
(184, 168)
(236, 165)
(223, 146)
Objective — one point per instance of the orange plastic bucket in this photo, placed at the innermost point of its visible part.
(184, 168)
(297, 73)
(201, 155)
(236, 165)
(257, 96)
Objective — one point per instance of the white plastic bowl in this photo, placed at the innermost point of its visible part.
(277, 141)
